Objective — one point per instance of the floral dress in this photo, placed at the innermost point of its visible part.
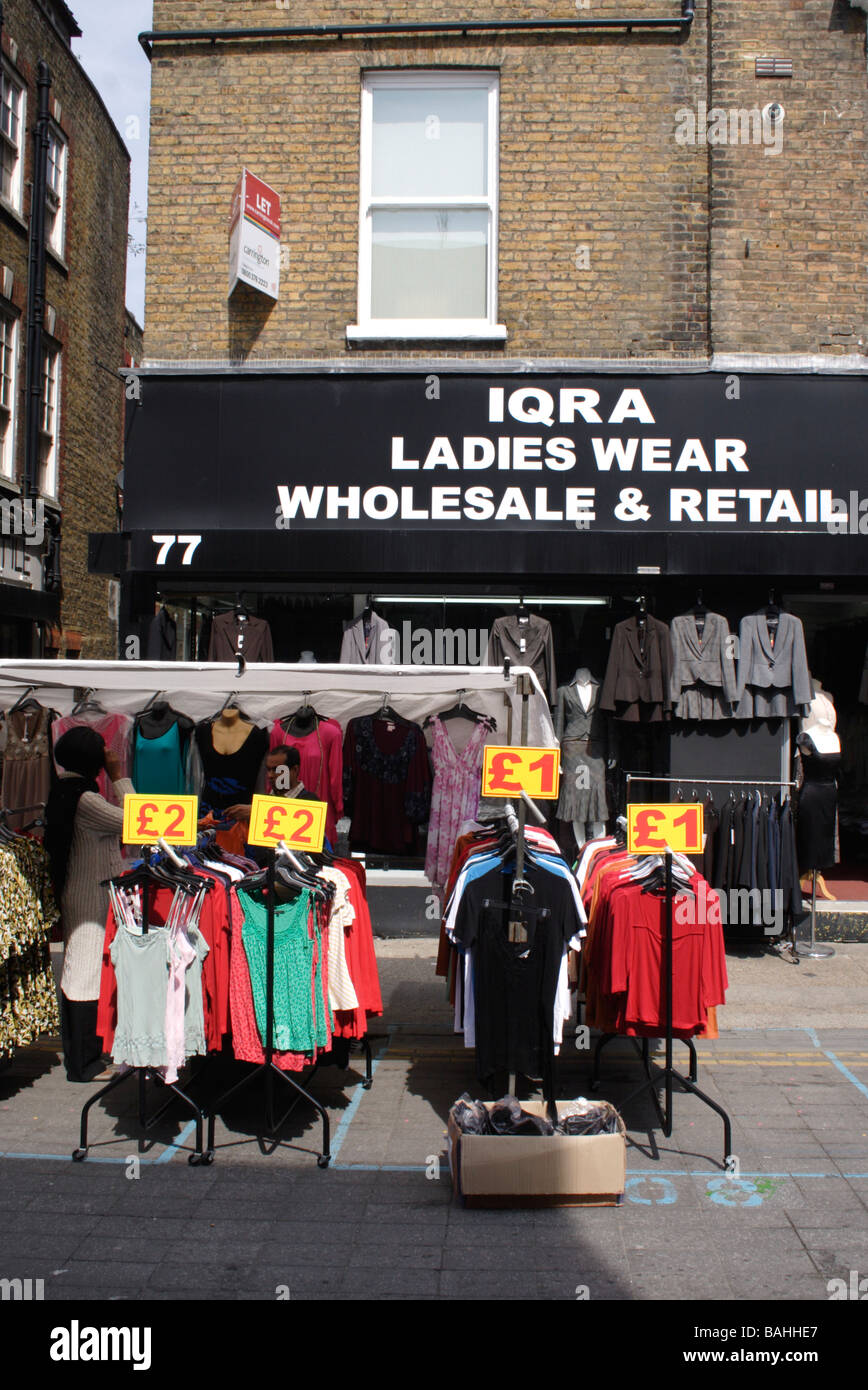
(454, 796)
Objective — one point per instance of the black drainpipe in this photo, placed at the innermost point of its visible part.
(463, 27)
(36, 285)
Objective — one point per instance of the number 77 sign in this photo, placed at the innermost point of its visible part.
(509, 771)
(653, 828)
(299, 824)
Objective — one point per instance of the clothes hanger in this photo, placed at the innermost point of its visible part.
(24, 701)
(386, 712)
(241, 610)
(523, 612)
(459, 711)
(88, 702)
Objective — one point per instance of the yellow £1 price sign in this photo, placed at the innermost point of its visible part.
(508, 771)
(300, 824)
(148, 819)
(653, 828)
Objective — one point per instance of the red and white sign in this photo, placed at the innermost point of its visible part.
(254, 236)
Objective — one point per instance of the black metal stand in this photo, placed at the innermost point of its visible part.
(198, 1156)
(668, 1072)
(268, 1068)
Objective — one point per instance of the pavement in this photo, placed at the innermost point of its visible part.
(381, 1222)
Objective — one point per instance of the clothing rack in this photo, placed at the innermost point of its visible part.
(516, 820)
(665, 1113)
(143, 1074)
(713, 781)
(268, 1068)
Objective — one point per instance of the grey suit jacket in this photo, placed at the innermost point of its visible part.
(381, 652)
(781, 667)
(709, 661)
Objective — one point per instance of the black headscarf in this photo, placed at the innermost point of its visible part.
(80, 750)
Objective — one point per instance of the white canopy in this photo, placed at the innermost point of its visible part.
(268, 691)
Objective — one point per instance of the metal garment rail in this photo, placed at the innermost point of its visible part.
(666, 1113)
(679, 23)
(713, 781)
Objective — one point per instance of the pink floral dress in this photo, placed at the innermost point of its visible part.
(454, 796)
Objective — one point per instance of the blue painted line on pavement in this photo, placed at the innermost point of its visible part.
(845, 1071)
(349, 1113)
(171, 1149)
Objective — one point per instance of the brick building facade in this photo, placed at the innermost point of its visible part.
(618, 236)
(571, 312)
(58, 607)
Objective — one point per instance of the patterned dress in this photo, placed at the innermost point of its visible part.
(454, 796)
(28, 999)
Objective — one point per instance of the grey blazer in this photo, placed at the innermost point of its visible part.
(782, 667)
(572, 720)
(709, 662)
(381, 652)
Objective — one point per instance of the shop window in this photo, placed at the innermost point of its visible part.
(8, 393)
(49, 424)
(12, 100)
(428, 207)
(55, 191)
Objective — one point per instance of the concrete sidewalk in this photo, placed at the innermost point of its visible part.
(382, 1221)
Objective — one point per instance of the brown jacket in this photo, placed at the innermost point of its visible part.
(638, 678)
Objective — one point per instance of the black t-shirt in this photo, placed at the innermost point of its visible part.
(515, 982)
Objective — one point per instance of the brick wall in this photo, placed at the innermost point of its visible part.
(87, 292)
(588, 157)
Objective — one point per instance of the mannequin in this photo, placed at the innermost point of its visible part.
(820, 753)
(161, 742)
(229, 731)
(582, 731)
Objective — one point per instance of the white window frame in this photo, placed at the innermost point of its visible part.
(49, 481)
(15, 200)
(9, 412)
(477, 329)
(55, 202)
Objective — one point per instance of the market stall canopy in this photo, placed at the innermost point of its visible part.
(267, 692)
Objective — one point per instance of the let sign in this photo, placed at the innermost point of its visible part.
(508, 771)
(148, 819)
(671, 825)
(300, 824)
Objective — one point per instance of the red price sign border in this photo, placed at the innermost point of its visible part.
(135, 834)
(662, 810)
(263, 807)
(508, 789)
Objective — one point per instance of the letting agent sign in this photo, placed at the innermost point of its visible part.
(254, 236)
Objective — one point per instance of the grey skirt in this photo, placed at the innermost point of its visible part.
(583, 782)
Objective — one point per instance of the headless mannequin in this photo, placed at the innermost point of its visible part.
(822, 739)
(229, 731)
(158, 720)
(584, 686)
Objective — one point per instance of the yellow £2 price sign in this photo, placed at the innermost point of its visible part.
(299, 824)
(148, 819)
(652, 827)
(508, 771)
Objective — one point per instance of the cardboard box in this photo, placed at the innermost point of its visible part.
(561, 1170)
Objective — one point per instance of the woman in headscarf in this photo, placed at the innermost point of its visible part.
(82, 837)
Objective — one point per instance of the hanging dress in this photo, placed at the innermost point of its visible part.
(454, 795)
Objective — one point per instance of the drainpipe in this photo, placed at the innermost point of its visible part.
(36, 285)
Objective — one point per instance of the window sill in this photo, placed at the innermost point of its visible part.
(57, 258)
(427, 332)
(13, 215)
